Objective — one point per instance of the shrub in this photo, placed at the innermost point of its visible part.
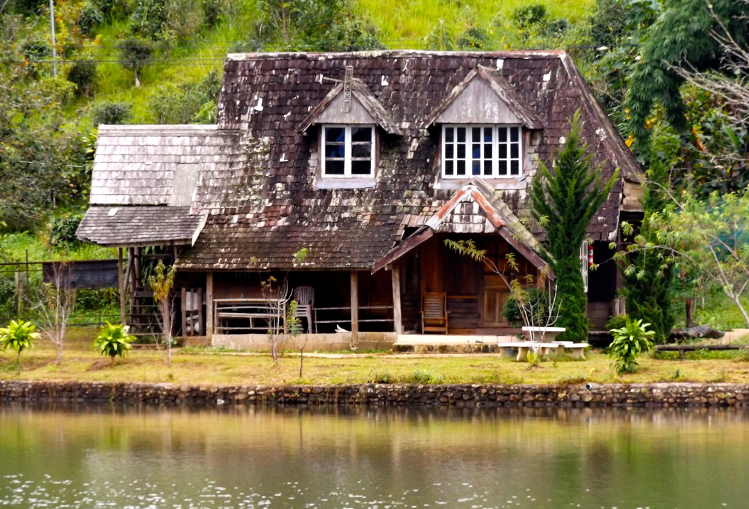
(63, 230)
(113, 9)
(381, 376)
(113, 341)
(529, 15)
(616, 322)
(474, 38)
(111, 113)
(629, 342)
(84, 75)
(540, 298)
(212, 12)
(190, 103)
(89, 18)
(135, 54)
(148, 18)
(19, 336)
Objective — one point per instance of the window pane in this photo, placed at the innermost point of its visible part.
(461, 151)
(487, 150)
(503, 151)
(448, 167)
(333, 167)
(502, 134)
(476, 134)
(514, 134)
(335, 150)
(361, 134)
(476, 151)
(487, 167)
(364, 150)
(449, 151)
(502, 168)
(335, 134)
(461, 134)
(361, 167)
(461, 168)
(487, 134)
(476, 168)
(514, 150)
(515, 168)
(448, 134)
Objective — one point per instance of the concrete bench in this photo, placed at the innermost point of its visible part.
(577, 350)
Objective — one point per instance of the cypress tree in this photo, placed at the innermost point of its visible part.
(564, 199)
(649, 277)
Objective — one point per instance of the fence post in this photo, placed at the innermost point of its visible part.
(28, 287)
(121, 282)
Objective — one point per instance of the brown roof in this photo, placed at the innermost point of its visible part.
(265, 198)
(123, 226)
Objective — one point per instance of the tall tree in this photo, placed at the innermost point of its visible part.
(648, 275)
(563, 201)
(682, 36)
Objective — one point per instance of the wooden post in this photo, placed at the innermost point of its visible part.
(209, 307)
(134, 309)
(396, 278)
(201, 320)
(354, 310)
(689, 314)
(121, 281)
(183, 305)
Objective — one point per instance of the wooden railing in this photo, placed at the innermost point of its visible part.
(259, 313)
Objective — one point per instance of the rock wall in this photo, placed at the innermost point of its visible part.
(590, 395)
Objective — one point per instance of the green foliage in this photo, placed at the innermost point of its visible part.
(528, 15)
(512, 313)
(616, 322)
(213, 10)
(162, 281)
(381, 376)
(648, 275)
(18, 336)
(148, 18)
(564, 199)
(63, 230)
(681, 36)
(189, 103)
(440, 38)
(135, 54)
(109, 113)
(89, 18)
(113, 341)
(474, 38)
(84, 75)
(293, 323)
(629, 342)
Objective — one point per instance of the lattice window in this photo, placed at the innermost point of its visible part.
(348, 151)
(488, 151)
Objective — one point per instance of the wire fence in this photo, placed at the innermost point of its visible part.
(23, 285)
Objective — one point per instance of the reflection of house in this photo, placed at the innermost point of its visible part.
(369, 160)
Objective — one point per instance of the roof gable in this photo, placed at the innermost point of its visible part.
(484, 97)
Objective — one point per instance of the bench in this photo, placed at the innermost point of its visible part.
(692, 348)
(577, 350)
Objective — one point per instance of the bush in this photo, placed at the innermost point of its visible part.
(212, 12)
(474, 39)
(19, 336)
(63, 230)
(629, 342)
(89, 18)
(529, 15)
(540, 298)
(113, 341)
(381, 376)
(616, 322)
(113, 9)
(109, 113)
(135, 54)
(190, 103)
(148, 18)
(85, 76)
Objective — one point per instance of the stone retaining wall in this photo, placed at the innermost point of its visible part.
(635, 395)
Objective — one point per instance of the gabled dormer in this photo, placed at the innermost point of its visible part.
(484, 126)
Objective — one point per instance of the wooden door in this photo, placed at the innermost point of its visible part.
(494, 297)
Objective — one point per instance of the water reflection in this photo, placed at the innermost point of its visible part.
(334, 457)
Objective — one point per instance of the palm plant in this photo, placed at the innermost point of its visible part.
(629, 342)
(114, 341)
(18, 335)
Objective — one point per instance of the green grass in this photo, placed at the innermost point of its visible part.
(217, 366)
(14, 246)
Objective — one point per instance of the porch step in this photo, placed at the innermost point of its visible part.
(447, 339)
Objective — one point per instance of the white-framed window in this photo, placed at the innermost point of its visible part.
(348, 151)
(490, 151)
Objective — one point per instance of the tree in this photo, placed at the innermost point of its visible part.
(648, 275)
(564, 199)
(161, 283)
(135, 54)
(710, 237)
(440, 37)
(682, 36)
(56, 304)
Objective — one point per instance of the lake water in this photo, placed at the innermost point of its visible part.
(365, 458)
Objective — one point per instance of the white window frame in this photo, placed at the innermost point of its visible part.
(347, 151)
(495, 151)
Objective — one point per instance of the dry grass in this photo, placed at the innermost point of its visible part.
(83, 364)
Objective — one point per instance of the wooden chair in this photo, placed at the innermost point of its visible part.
(305, 299)
(434, 312)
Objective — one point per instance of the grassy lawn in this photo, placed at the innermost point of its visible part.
(210, 367)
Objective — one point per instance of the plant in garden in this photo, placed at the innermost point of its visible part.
(296, 332)
(162, 282)
(55, 305)
(564, 199)
(629, 342)
(113, 341)
(18, 336)
(135, 54)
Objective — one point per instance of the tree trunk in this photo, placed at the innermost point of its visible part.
(114, 359)
(58, 346)
(301, 362)
(743, 311)
(137, 77)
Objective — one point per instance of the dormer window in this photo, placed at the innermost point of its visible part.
(490, 151)
(348, 151)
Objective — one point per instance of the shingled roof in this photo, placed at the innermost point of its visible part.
(264, 195)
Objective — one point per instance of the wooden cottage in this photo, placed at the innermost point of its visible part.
(367, 162)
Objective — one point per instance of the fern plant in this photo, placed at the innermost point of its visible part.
(629, 342)
(113, 341)
(19, 336)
